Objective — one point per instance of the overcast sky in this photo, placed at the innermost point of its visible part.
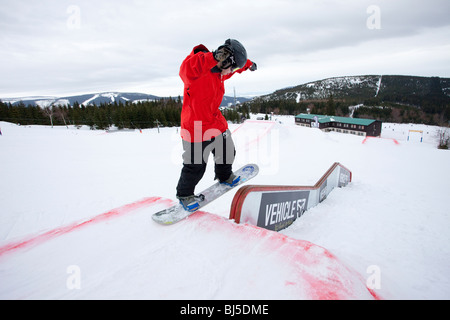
(60, 47)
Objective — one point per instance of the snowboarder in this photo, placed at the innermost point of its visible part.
(203, 127)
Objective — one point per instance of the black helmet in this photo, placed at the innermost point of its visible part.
(239, 53)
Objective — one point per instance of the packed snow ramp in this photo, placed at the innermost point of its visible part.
(122, 254)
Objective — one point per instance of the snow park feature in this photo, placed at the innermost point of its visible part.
(277, 207)
(415, 134)
(76, 206)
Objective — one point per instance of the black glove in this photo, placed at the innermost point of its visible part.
(253, 67)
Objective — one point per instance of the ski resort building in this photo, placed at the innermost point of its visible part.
(357, 126)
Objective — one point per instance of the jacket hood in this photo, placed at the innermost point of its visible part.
(199, 48)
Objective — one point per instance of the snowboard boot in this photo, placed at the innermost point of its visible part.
(232, 180)
(191, 203)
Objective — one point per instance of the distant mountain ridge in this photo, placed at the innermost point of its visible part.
(387, 98)
(366, 87)
(429, 94)
(99, 98)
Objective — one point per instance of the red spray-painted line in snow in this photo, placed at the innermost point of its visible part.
(40, 238)
(393, 140)
(334, 281)
(261, 135)
(43, 237)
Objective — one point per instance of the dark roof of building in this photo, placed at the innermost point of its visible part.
(325, 119)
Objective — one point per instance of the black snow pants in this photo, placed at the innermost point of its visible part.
(195, 158)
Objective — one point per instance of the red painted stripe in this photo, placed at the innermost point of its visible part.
(334, 281)
(260, 136)
(114, 213)
(393, 140)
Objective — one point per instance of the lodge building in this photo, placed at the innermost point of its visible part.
(357, 126)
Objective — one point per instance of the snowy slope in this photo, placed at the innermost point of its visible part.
(81, 200)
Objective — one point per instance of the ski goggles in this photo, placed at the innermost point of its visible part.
(230, 63)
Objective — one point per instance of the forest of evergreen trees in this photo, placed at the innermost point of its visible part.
(291, 107)
(167, 111)
(137, 115)
(431, 112)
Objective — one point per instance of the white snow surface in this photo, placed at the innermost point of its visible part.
(76, 205)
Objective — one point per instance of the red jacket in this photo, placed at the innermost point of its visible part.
(201, 118)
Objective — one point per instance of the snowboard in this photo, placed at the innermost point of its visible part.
(177, 213)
